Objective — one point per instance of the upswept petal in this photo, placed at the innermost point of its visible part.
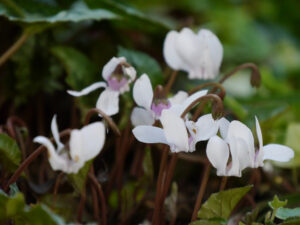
(55, 134)
(238, 130)
(179, 108)
(259, 154)
(87, 142)
(188, 47)
(140, 116)
(206, 127)
(218, 154)
(88, 89)
(142, 92)
(170, 54)
(149, 134)
(108, 102)
(56, 161)
(111, 65)
(178, 98)
(223, 125)
(215, 48)
(175, 131)
(280, 153)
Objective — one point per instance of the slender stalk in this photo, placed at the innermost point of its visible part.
(81, 205)
(102, 197)
(159, 189)
(95, 204)
(107, 118)
(223, 183)
(201, 191)
(14, 47)
(29, 160)
(255, 76)
(216, 86)
(191, 158)
(170, 82)
(56, 186)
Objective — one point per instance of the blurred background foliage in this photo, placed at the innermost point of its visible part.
(67, 42)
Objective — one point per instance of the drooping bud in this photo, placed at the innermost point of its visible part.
(255, 78)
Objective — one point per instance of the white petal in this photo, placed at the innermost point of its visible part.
(140, 116)
(218, 153)
(55, 134)
(206, 127)
(108, 102)
(131, 72)
(56, 161)
(175, 130)
(178, 98)
(238, 130)
(259, 155)
(87, 142)
(110, 67)
(88, 89)
(179, 108)
(223, 125)
(170, 54)
(215, 49)
(142, 92)
(149, 134)
(188, 47)
(259, 133)
(280, 153)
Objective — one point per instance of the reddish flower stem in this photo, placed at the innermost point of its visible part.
(223, 183)
(81, 205)
(170, 82)
(29, 160)
(159, 188)
(56, 186)
(201, 191)
(102, 197)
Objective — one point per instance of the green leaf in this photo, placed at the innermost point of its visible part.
(81, 70)
(143, 64)
(10, 154)
(291, 222)
(210, 222)
(221, 204)
(78, 180)
(285, 213)
(133, 15)
(29, 11)
(276, 203)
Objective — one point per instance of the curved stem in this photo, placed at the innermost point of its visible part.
(255, 76)
(29, 159)
(213, 97)
(201, 190)
(170, 82)
(14, 47)
(11, 121)
(214, 85)
(107, 118)
(102, 197)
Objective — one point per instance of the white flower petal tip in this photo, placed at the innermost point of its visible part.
(108, 102)
(142, 92)
(88, 89)
(149, 134)
(198, 54)
(276, 152)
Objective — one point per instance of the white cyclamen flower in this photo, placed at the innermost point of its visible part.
(238, 142)
(175, 133)
(198, 54)
(84, 145)
(150, 106)
(118, 75)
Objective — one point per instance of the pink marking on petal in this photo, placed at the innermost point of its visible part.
(116, 84)
(157, 109)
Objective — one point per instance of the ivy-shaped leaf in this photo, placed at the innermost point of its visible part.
(285, 213)
(221, 204)
(10, 154)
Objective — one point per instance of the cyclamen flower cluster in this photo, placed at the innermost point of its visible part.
(198, 54)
